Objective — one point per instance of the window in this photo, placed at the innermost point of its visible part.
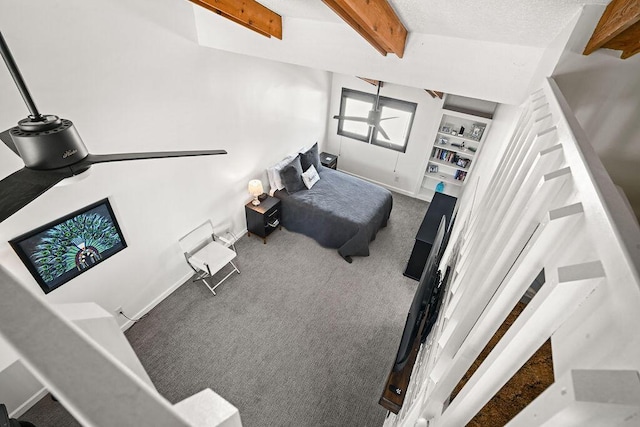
(396, 118)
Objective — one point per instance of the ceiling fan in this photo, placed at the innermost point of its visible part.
(373, 119)
(51, 150)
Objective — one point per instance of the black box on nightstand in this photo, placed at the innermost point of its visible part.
(329, 160)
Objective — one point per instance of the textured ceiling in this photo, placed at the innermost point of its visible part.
(521, 22)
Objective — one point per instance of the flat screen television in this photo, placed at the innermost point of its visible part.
(429, 280)
(435, 302)
(67, 247)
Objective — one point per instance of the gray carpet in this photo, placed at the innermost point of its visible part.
(300, 338)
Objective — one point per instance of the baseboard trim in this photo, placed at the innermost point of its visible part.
(382, 184)
(157, 300)
(20, 410)
(238, 236)
(166, 293)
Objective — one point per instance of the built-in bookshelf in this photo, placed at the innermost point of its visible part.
(456, 145)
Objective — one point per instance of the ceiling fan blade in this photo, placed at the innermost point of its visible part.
(379, 129)
(8, 141)
(387, 118)
(103, 158)
(22, 187)
(120, 157)
(352, 118)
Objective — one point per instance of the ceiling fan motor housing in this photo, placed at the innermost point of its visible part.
(374, 117)
(50, 147)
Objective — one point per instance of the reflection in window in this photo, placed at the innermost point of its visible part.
(356, 108)
(395, 128)
(396, 118)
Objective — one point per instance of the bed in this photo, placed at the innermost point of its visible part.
(340, 211)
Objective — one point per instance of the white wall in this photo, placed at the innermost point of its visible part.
(498, 72)
(604, 93)
(553, 52)
(132, 78)
(378, 163)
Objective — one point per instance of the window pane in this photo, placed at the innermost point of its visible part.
(397, 128)
(356, 108)
(354, 103)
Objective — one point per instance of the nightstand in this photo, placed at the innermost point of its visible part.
(329, 160)
(264, 218)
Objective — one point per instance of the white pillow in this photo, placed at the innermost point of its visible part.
(310, 177)
(272, 185)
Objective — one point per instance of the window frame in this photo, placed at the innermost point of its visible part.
(372, 134)
(360, 96)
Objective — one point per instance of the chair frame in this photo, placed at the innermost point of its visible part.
(202, 275)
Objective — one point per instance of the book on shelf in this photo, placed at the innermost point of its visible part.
(460, 175)
(442, 154)
(450, 156)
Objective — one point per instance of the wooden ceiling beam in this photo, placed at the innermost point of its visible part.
(248, 13)
(229, 17)
(628, 41)
(375, 21)
(337, 8)
(371, 81)
(619, 17)
(435, 93)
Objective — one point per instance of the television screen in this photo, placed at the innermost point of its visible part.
(435, 302)
(63, 249)
(428, 281)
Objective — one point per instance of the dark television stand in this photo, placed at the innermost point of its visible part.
(440, 205)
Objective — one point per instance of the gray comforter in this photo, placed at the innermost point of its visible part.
(340, 211)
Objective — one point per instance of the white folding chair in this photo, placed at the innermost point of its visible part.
(222, 232)
(206, 254)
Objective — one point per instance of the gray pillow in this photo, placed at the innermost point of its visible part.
(291, 176)
(310, 157)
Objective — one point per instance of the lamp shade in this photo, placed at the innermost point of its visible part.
(255, 187)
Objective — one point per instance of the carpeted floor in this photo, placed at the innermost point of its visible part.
(300, 338)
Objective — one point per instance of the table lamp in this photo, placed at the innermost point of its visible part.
(255, 189)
